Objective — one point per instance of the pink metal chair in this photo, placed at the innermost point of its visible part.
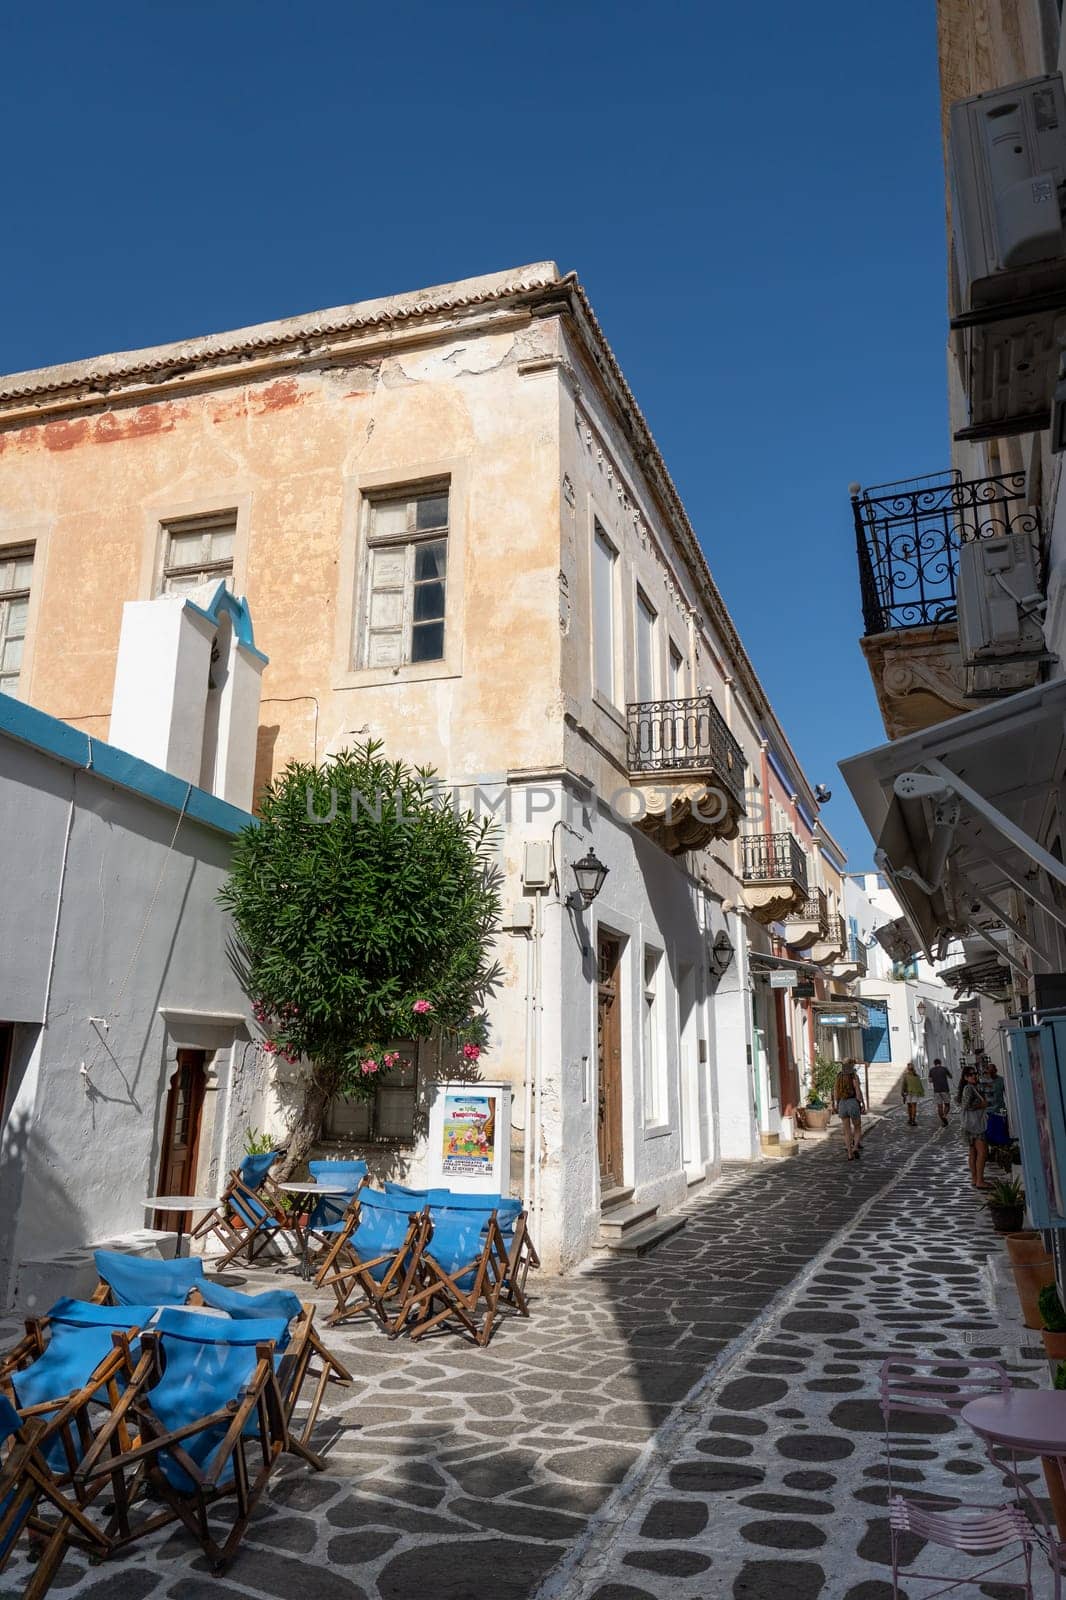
(934, 1387)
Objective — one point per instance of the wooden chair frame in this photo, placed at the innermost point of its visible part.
(489, 1267)
(25, 1481)
(234, 1240)
(129, 1468)
(520, 1257)
(346, 1272)
(294, 1368)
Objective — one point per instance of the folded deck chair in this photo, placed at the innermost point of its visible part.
(249, 1213)
(145, 1280)
(372, 1264)
(462, 1268)
(72, 1365)
(514, 1230)
(328, 1214)
(28, 1488)
(204, 1397)
(294, 1356)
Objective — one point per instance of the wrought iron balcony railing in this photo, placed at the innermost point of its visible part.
(685, 736)
(814, 909)
(908, 536)
(839, 934)
(775, 857)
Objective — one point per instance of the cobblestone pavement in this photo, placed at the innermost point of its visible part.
(697, 1423)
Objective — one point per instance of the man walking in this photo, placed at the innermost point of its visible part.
(940, 1078)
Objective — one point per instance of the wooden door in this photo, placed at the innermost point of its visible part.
(181, 1134)
(609, 1061)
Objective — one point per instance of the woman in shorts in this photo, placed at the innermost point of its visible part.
(847, 1103)
(974, 1110)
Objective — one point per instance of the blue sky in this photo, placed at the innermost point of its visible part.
(752, 195)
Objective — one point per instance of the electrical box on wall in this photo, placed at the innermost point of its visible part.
(536, 864)
(1000, 611)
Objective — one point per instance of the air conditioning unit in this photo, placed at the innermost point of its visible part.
(1001, 636)
(1007, 171)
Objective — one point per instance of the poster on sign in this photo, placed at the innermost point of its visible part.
(470, 1137)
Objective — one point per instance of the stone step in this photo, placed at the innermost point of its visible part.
(610, 1198)
(638, 1241)
(621, 1220)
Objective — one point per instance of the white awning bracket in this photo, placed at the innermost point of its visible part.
(1016, 928)
(1000, 864)
(1003, 825)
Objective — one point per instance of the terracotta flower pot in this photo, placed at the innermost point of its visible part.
(1026, 1245)
(814, 1119)
(1054, 1344)
(1029, 1278)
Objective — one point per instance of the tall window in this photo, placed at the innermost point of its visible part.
(16, 573)
(389, 1118)
(653, 1110)
(197, 549)
(407, 574)
(604, 556)
(646, 620)
(677, 673)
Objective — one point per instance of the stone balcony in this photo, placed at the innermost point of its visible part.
(689, 770)
(809, 923)
(852, 963)
(834, 945)
(774, 871)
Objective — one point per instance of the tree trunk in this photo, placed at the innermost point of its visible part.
(319, 1089)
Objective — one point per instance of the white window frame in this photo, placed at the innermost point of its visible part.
(209, 522)
(604, 623)
(676, 660)
(646, 625)
(10, 682)
(652, 1036)
(408, 540)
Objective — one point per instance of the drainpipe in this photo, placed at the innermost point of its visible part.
(538, 1061)
(527, 1087)
(59, 897)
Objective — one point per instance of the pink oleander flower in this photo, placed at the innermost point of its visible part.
(421, 1007)
(471, 1052)
(369, 1065)
(391, 1057)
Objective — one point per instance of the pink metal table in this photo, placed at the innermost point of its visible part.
(1032, 1421)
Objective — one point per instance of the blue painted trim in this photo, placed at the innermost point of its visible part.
(222, 600)
(55, 738)
(838, 861)
(1027, 1121)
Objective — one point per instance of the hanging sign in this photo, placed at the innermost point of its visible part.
(782, 980)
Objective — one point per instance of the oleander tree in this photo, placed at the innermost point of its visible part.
(365, 906)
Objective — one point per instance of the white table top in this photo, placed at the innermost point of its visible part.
(182, 1202)
(311, 1187)
(196, 1311)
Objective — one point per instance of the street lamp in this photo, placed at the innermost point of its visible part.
(590, 874)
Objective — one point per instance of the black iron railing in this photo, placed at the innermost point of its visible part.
(839, 935)
(908, 536)
(775, 856)
(814, 910)
(685, 736)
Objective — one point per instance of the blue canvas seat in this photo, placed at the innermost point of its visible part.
(372, 1262)
(462, 1272)
(81, 1360)
(300, 1356)
(145, 1280)
(28, 1488)
(328, 1213)
(249, 1214)
(205, 1400)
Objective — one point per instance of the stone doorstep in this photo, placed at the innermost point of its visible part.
(618, 1196)
(638, 1241)
(620, 1220)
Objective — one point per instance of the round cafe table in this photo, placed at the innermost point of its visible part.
(317, 1191)
(1033, 1422)
(181, 1203)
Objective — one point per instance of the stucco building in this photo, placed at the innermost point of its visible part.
(456, 533)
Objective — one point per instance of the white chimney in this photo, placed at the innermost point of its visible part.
(187, 689)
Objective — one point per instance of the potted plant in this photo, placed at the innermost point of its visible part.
(815, 1114)
(1033, 1270)
(1006, 1205)
(1053, 1317)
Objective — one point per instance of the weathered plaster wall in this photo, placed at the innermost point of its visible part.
(78, 1155)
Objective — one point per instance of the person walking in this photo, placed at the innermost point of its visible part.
(974, 1110)
(940, 1079)
(911, 1091)
(848, 1105)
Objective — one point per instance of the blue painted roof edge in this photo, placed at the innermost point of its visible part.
(55, 738)
(223, 600)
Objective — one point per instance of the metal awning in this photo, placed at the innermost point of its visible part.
(956, 811)
(769, 963)
(989, 977)
(854, 1013)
